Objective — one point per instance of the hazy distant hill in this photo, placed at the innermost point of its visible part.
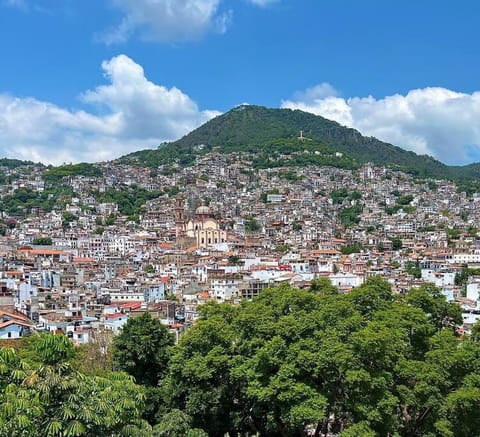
(13, 163)
(254, 128)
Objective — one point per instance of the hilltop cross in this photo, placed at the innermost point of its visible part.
(301, 137)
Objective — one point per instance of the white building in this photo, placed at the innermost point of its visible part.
(224, 289)
(346, 280)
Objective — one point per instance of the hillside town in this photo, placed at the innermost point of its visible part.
(221, 231)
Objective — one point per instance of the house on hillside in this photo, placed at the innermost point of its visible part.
(14, 325)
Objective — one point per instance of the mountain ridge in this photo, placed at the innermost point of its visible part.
(251, 127)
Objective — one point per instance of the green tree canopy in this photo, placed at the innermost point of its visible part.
(43, 394)
(141, 349)
(366, 363)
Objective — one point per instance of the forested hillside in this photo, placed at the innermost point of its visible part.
(253, 128)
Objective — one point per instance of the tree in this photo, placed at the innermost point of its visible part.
(199, 381)
(429, 298)
(171, 296)
(251, 225)
(149, 269)
(68, 218)
(366, 363)
(288, 363)
(413, 268)
(296, 226)
(234, 259)
(43, 241)
(110, 220)
(397, 243)
(141, 349)
(176, 424)
(476, 332)
(355, 247)
(323, 286)
(350, 216)
(44, 394)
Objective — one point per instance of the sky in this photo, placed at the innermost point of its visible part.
(92, 80)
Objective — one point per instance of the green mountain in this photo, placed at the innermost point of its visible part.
(14, 163)
(264, 131)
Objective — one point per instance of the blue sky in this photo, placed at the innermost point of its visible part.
(87, 80)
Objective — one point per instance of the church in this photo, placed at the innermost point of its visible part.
(202, 227)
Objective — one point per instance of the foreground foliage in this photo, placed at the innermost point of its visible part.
(358, 364)
(289, 363)
(44, 395)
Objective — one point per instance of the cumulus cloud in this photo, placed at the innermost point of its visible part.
(434, 121)
(317, 92)
(167, 20)
(132, 113)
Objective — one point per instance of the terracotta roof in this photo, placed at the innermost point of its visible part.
(130, 305)
(17, 316)
(44, 251)
(15, 322)
(165, 246)
(114, 316)
(78, 259)
(325, 252)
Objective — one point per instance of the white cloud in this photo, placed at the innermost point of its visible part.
(135, 114)
(317, 92)
(167, 20)
(433, 121)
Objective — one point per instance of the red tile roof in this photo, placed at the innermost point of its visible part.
(114, 316)
(79, 259)
(130, 305)
(44, 251)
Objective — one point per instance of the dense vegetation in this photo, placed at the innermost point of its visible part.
(130, 200)
(42, 241)
(295, 153)
(255, 126)
(42, 393)
(350, 216)
(292, 361)
(13, 163)
(83, 169)
(22, 200)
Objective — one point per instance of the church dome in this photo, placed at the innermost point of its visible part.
(202, 210)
